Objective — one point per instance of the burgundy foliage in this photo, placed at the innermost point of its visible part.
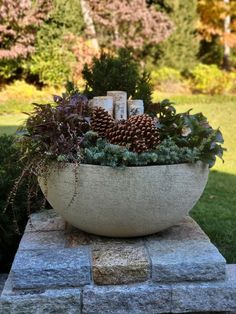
(19, 20)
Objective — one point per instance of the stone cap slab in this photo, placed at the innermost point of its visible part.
(52, 254)
(190, 260)
(120, 263)
(47, 220)
(51, 268)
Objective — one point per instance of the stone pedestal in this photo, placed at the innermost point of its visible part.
(59, 269)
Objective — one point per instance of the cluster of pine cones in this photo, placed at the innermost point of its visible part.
(138, 133)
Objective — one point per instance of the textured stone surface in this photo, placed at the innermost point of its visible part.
(116, 207)
(185, 260)
(214, 296)
(120, 264)
(63, 301)
(135, 299)
(3, 278)
(47, 220)
(51, 268)
(187, 229)
(75, 237)
(42, 240)
(52, 272)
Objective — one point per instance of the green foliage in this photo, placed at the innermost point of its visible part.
(167, 79)
(211, 52)
(180, 49)
(117, 73)
(12, 222)
(209, 79)
(53, 59)
(52, 65)
(9, 69)
(99, 152)
(188, 130)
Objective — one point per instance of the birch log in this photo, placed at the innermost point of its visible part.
(120, 104)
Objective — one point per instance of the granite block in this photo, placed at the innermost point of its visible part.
(120, 264)
(186, 260)
(69, 267)
(186, 229)
(47, 220)
(207, 296)
(42, 240)
(58, 301)
(127, 299)
(3, 278)
(75, 237)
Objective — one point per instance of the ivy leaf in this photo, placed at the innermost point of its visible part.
(219, 137)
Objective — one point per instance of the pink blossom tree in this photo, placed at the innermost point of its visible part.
(131, 24)
(19, 20)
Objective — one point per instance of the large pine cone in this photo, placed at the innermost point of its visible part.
(138, 133)
(101, 120)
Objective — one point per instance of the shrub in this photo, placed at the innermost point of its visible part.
(209, 79)
(53, 65)
(117, 73)
(12, 222)
(168, 80)
(54, 60)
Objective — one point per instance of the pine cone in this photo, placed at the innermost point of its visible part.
(101, 121)
(138, 133)
(146, 125)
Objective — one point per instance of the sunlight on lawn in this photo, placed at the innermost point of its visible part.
(10, 122)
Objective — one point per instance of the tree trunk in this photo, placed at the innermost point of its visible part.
(86, 11)
(227, 20)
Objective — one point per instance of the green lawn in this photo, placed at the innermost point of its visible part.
(216, 211)
(10, 122)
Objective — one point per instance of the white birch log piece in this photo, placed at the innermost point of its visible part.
(119, 98)
(135, 107)
(120, 110)
(105, 102)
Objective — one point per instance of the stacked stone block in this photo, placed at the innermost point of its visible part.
(59, 269)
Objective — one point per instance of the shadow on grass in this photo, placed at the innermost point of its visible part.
(216, 213)
(8, 129)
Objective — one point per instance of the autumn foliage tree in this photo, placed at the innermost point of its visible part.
(130, 24)
(19, 20)
(217, 22)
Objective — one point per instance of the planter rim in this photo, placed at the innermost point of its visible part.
(198, 163)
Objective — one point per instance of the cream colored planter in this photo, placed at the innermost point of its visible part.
(127, 202)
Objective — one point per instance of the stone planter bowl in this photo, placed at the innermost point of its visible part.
(129, 202)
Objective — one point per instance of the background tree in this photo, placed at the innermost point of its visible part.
(130, 24)
(54, 59)
(19, 20)
(218, 24)
(180, 49)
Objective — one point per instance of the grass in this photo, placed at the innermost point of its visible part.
(10, 122)
(216, 210)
